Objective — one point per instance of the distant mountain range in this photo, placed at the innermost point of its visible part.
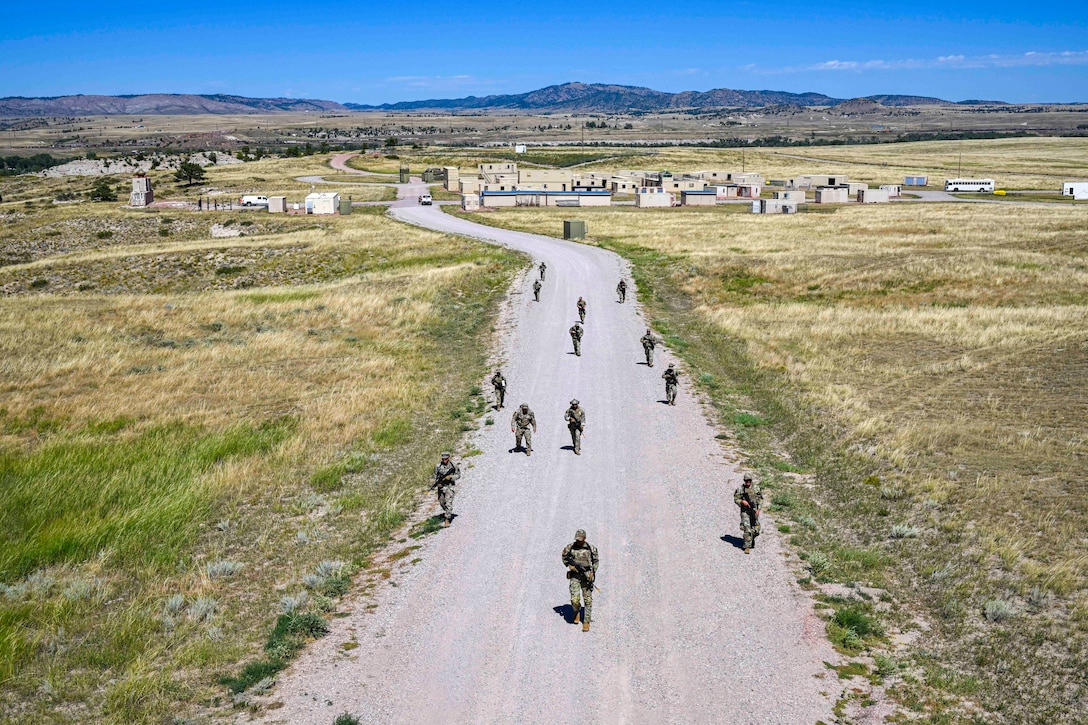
(568, 97)
(157, 104)
(606, 98)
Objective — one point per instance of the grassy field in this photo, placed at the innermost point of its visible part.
(909, 379)
(203, 440)
(1015, 163)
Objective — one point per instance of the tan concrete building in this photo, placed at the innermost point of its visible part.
(790, 195)
(873, 196)
(545, 179)
(700, 197)
(453, 178)
(893, 190)
(811, 181)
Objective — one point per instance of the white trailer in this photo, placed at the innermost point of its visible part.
(1076, 189)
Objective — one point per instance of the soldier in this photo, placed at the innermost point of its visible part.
(446, 474)
(649, 342)
(581, 309)
(576, 423)
(536, 290)
(672, 379)
(749, 498)
(499, 383)
(543, 269)
(576, 338)
(520, 424)
(581, 561)
(621, 290)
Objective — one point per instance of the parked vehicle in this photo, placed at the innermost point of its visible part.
(425, 199)
(253, 200)
(968, 184)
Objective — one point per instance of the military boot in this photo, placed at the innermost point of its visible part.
(585, 626)
(577, 614)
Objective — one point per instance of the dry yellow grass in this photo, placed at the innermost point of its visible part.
(944, 344)
(1014, 163)
(181, 413)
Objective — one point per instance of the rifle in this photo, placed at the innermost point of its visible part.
(441, 480)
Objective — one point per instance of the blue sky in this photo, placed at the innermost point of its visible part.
(391, 51)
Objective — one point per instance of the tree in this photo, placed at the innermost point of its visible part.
(391, 142)
(189, 172)
(213, 157)
(102, 191)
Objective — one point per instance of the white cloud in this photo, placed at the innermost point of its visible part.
(993, 60)
(441, 82)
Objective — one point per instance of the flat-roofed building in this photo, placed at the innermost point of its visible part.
(653, 196)
(832, 195)
(698, 197)
(536, 198)
(873, 196)
(811, 181)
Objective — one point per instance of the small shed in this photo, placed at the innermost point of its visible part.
(873, 196)
(792, 195)
(1076, 189)
(277, 204)
(726, 191)
(470, 202)
(323, 203)
(699, 197)
(893, 190)
(653, 196)
(856, 186)
(574, 229)
(915, 180)
(520, 148)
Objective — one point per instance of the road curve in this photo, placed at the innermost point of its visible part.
(687, 628)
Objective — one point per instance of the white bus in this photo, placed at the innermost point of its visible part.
(968, 184)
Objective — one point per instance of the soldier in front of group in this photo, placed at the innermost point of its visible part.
(581, 561)
(536, 290)
(581, 309)
(749, 499)
(672, 380)
(543, 269)
(621, 290)
(446, 474)
(649, 342)
(576, 424)
(576, 338)
(523, 425)
(498, 382)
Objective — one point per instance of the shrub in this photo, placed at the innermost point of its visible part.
(202, 609)
(857, 620)
(902, 531)
(998, 610)
(223, 569)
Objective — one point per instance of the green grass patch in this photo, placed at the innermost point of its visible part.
(141, 497)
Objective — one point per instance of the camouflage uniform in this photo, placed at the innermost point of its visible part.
(523, 423)
(621, 290)
(672, 379)
(749, 515)
(499, 383)
(648, 343)
(581, 561)
(543, 268)
(536, 290)
(581, 309)
(576, 338)
(576, 423)
(446, 474)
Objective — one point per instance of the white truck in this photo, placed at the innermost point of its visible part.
(253, 200)
(425, 199)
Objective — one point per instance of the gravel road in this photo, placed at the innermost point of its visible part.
(686, 627)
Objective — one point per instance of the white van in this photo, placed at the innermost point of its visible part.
(425, 199)
(253, 200)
